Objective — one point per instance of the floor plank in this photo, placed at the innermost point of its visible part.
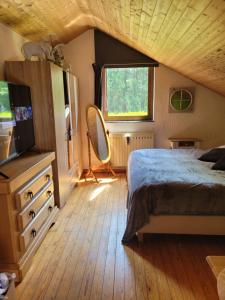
(82, 256)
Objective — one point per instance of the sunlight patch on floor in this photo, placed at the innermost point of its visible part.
(97, 192)
(102, 180)
(107, 180)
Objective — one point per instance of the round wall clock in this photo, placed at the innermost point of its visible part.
(181, 100)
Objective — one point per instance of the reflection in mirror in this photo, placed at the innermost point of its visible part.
(97, 134)
(98, 138)
(5, 141)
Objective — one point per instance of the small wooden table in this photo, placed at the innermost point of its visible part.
(184, 143)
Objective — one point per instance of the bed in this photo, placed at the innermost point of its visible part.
(171, 191)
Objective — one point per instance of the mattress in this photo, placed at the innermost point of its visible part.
(171, 182)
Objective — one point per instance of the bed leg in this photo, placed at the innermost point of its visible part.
(140, 237)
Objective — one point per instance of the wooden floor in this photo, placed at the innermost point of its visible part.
(82, 256)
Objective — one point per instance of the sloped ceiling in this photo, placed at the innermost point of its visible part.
(185, 35)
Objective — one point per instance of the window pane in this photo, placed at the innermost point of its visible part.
(127, 92)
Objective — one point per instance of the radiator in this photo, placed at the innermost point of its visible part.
(122, 144)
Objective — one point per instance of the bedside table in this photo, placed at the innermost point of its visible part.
(184, 143)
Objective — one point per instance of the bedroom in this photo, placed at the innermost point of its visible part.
(81, 256)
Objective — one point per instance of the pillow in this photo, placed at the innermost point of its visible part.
(220, 164)
(213, 155)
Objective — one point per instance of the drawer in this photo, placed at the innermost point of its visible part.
(29, 234)
(31, 210)
(28, 191)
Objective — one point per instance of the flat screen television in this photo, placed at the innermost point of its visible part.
(16, 120)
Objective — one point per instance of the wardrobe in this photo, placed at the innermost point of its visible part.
(55, 108)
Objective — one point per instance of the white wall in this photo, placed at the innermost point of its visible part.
(10, 48)
(207, 121)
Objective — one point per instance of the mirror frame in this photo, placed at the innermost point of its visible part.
(104, 129)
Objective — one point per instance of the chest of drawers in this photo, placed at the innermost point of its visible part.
(27, 210)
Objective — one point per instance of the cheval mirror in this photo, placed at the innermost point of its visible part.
(98, 138)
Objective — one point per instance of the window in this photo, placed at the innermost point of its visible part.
(128, 93)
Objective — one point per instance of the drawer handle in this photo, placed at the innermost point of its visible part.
(50, 208)
(33, 233)
(48, 177)
(32, 214)
(49, 193)
(30, 194)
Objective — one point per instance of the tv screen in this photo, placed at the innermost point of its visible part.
(16, 120)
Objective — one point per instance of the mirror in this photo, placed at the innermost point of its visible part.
(97, 133)
(97, 137)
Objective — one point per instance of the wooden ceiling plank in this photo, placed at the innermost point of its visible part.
(191, 40)
(43, 9)
(191, 13)
(148, 8)
(92, 11)
(125, 8)
(100, 15)
(83, 6)
(112, 17)
(161, 10)
(135, 10)
(65, 24)
(210, 64)
(207, 61)
(174, 14)
(214, 11)
(131, 22)
(149, 26)
(188, 54)
(214, 35)
(20, 20)
(120, 15)
(207, 75)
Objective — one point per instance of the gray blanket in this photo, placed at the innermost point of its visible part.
(171, 182)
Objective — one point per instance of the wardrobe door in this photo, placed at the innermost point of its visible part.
(61, 134)
(69, 121)
(73, 83)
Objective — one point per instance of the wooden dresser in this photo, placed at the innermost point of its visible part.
(27, 209)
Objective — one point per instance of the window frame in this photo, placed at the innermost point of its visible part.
(151, 84)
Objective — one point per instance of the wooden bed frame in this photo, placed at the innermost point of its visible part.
(205, 225)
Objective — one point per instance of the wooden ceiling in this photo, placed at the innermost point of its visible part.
(186, 35)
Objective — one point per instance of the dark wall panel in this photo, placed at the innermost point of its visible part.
(109, 51)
